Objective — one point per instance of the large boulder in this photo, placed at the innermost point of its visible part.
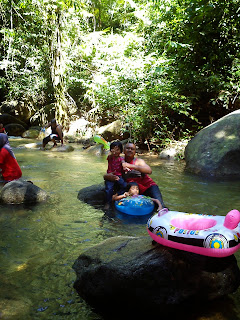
(22, 109)
(215, 150)
(133, 277)
(14, 129)
(22, 192)
(79, 130)
(113, 131)
(9, 119)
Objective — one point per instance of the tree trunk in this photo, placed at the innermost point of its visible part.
(57, 71)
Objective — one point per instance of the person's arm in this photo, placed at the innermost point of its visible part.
(110, 177)
(59, 131)
(158, 203)
(124, 167)
(109, 159)
(116, 197)
(140, 165)
(47, 125)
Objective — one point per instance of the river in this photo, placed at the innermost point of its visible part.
(39, 244)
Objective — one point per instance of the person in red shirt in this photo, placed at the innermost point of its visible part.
(8, 163)
(136, 170)
(2, 129)
(114, 167)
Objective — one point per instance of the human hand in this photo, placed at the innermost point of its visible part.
(113, 177)
(125, 166)
(110, 177)
(126, 194)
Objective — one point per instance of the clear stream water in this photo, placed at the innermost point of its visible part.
(39, 244)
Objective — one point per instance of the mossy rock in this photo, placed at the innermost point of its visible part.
(215, 150)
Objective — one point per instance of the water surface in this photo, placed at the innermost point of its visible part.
(39, 244)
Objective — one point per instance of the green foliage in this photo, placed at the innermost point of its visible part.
(163, 67)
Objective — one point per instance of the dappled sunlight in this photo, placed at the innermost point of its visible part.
(21, 267)
(222, 134)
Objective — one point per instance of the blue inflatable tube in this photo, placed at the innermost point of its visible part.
(136, 205)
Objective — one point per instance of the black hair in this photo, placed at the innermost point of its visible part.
(116, 144)
(53, 120)
(130, 184)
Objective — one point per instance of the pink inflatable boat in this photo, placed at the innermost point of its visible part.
(209, 235)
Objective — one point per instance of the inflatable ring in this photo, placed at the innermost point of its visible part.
(136, 205)
(209, 235)
(101, 140)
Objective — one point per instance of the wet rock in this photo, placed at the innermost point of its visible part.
(32, 145)
(113, 131)
(32, 133)
(136, 278)
(215, 150)
(18, 192)
(175, 150)
(21, 109)
(94, 195)
(9, 119)
(97, 150)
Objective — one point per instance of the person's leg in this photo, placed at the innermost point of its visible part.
(155, 193)
(109, 185)
(55, 140)
(122, 184)
(45, 141)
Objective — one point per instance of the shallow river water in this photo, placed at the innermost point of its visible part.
(39, 244)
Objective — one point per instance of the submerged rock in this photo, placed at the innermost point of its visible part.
(134, 277)
(62, 148)
(32, 145)
(18, 192)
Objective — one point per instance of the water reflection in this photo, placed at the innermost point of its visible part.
(39, 244)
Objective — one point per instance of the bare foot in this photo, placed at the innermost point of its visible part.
(107, 206)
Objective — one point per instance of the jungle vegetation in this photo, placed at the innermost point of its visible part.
(165, 67)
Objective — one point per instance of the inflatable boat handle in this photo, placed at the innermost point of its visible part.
(232, 219)
(162, 211)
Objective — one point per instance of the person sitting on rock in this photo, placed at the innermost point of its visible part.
(114, 167)
(56, 135)
(136, 170)
(8, 163)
